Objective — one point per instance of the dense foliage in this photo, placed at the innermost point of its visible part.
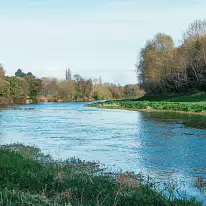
(26, 87)
(164, 68)
(18, 89)
(19, 73)
(82, 89)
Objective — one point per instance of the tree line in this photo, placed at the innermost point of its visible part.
(18, 89)
(164, 68)
(26, 87)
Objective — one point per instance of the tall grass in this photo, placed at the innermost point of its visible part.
(29, 178)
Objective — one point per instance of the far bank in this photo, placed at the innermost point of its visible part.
(192, 104)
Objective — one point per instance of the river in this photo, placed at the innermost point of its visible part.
(166, 146)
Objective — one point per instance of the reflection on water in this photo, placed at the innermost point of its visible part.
(187, 120)
(163, 145)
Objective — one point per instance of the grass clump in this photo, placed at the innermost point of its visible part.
(27, 179)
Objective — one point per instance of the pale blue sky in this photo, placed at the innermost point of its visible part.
(92, 37)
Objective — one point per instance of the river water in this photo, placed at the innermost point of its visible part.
(166, 146)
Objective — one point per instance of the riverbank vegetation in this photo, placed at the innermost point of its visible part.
(154, 106)
(195, 103)
(28, 177)
(27, 88)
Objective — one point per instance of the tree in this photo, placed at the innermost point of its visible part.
(66, 90)
(101, 92)
(196, 31)
(79, 82)
(19, 73)
(29, 74)
(194, 42)
(68, 74)
(50, 86)
(88, 89)
(18, 89)
(35, 86)
(155, 63)
(116, 91)
(163, 69)
(4, 88)
(77, 78)
(132, 91)
(4, 85)
(2, 72)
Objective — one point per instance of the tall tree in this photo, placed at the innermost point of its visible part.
(155, 63)
(162, 68)
(68, 74)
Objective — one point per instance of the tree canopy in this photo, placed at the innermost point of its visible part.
(20, 73)
(163, 68)
(24, 86)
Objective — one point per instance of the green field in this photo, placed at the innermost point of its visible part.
(199, 97)
(28, 177)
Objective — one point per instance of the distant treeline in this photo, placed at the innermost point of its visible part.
(164, 68)
(25, 87)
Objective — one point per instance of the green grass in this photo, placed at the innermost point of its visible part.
(165, 106)
(198, 97)
(28, 177)
(193, 103)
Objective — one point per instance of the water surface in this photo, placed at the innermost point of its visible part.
(167, 146)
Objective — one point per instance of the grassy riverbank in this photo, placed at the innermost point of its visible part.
(28, 177)
(197, 97)
(187, 104)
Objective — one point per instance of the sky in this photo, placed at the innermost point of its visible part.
(91, 37)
